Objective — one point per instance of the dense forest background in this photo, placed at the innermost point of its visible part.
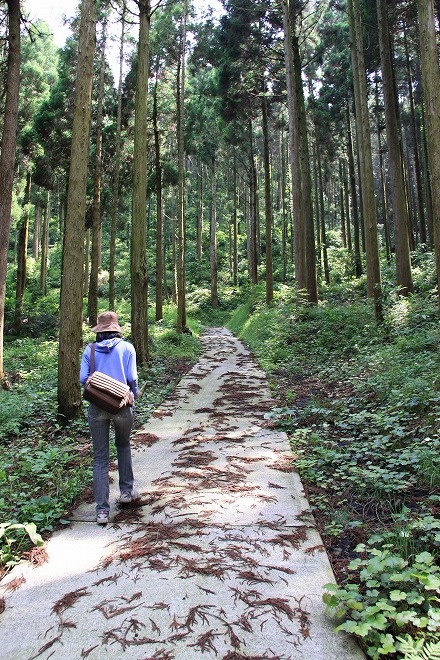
(275, 168)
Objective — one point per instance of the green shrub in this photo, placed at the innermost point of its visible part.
(394, 597)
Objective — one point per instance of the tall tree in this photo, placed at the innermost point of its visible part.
(431, 91)
(398, 189)
(159, 206)
(374, 286)
(117, 166)
(416, 146)
(138, 257)
(92, 307)
(69, 394)
(267, 200)
(246, 38)
(306, 180)
(8, 147)
(305, 258)
(354, 200)
(37, 74)
(213, 238)
(181, 294)
(45, 246)
(22, 243)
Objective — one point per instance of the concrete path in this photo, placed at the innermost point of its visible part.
(218, 560)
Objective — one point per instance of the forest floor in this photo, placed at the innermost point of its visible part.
(219, 558)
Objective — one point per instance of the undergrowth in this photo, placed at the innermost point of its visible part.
(361, 405)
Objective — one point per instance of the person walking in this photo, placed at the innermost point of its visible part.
(116, 358)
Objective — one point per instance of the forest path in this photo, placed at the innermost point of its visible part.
(219, 559)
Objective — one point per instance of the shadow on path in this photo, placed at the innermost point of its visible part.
(218, 559)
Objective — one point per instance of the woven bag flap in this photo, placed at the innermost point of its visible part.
(108, 384)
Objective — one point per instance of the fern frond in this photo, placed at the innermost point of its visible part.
(419, 649)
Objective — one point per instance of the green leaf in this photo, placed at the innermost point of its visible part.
(430, 582)
(354, 604)
(387, 644)
(378, 621)
(354, 628)
(424, 558)
(414, 597)
(402, 618)
(31, 530)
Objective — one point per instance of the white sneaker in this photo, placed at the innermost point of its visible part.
(126, 498)
(102, 517)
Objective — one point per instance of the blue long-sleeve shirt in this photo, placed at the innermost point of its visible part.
(114, 357)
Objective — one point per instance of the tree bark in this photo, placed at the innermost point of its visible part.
(322, 214)
(181, 294)
(159, 209)
(305, 258)
(374, 287)
(173, 251)
(385, 214)
(235, 225)
(36, 238)
(316, 207)
(199, 249)
(342, 206)
(22, 242)
(92, 310)
(398, 190)
(45, 247)
(294, 151)
(213, 238)
(86, 276)
(283, 186)
(306, 181)
(69, 393)
(415, 137)
(8, 147)
(347, 206)
(267, 203)
(115, 207)
(253, 216)
(431, 91)
(354, 200)
(138, 257)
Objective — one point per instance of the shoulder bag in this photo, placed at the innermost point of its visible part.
(104, 391)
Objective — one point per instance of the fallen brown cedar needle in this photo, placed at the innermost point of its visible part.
(313, 549)
(147, 439)
(294, 539)
(111, 578)
(14, 584)
(199, 612)
(69, 600)
(253, 578)
(46, 646)
(86, 652)
(38, 556)
(206, 641)
(161, 654)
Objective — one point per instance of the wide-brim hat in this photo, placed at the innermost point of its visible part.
(107, 322)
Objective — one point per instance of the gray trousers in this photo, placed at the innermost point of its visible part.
(99, 423)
